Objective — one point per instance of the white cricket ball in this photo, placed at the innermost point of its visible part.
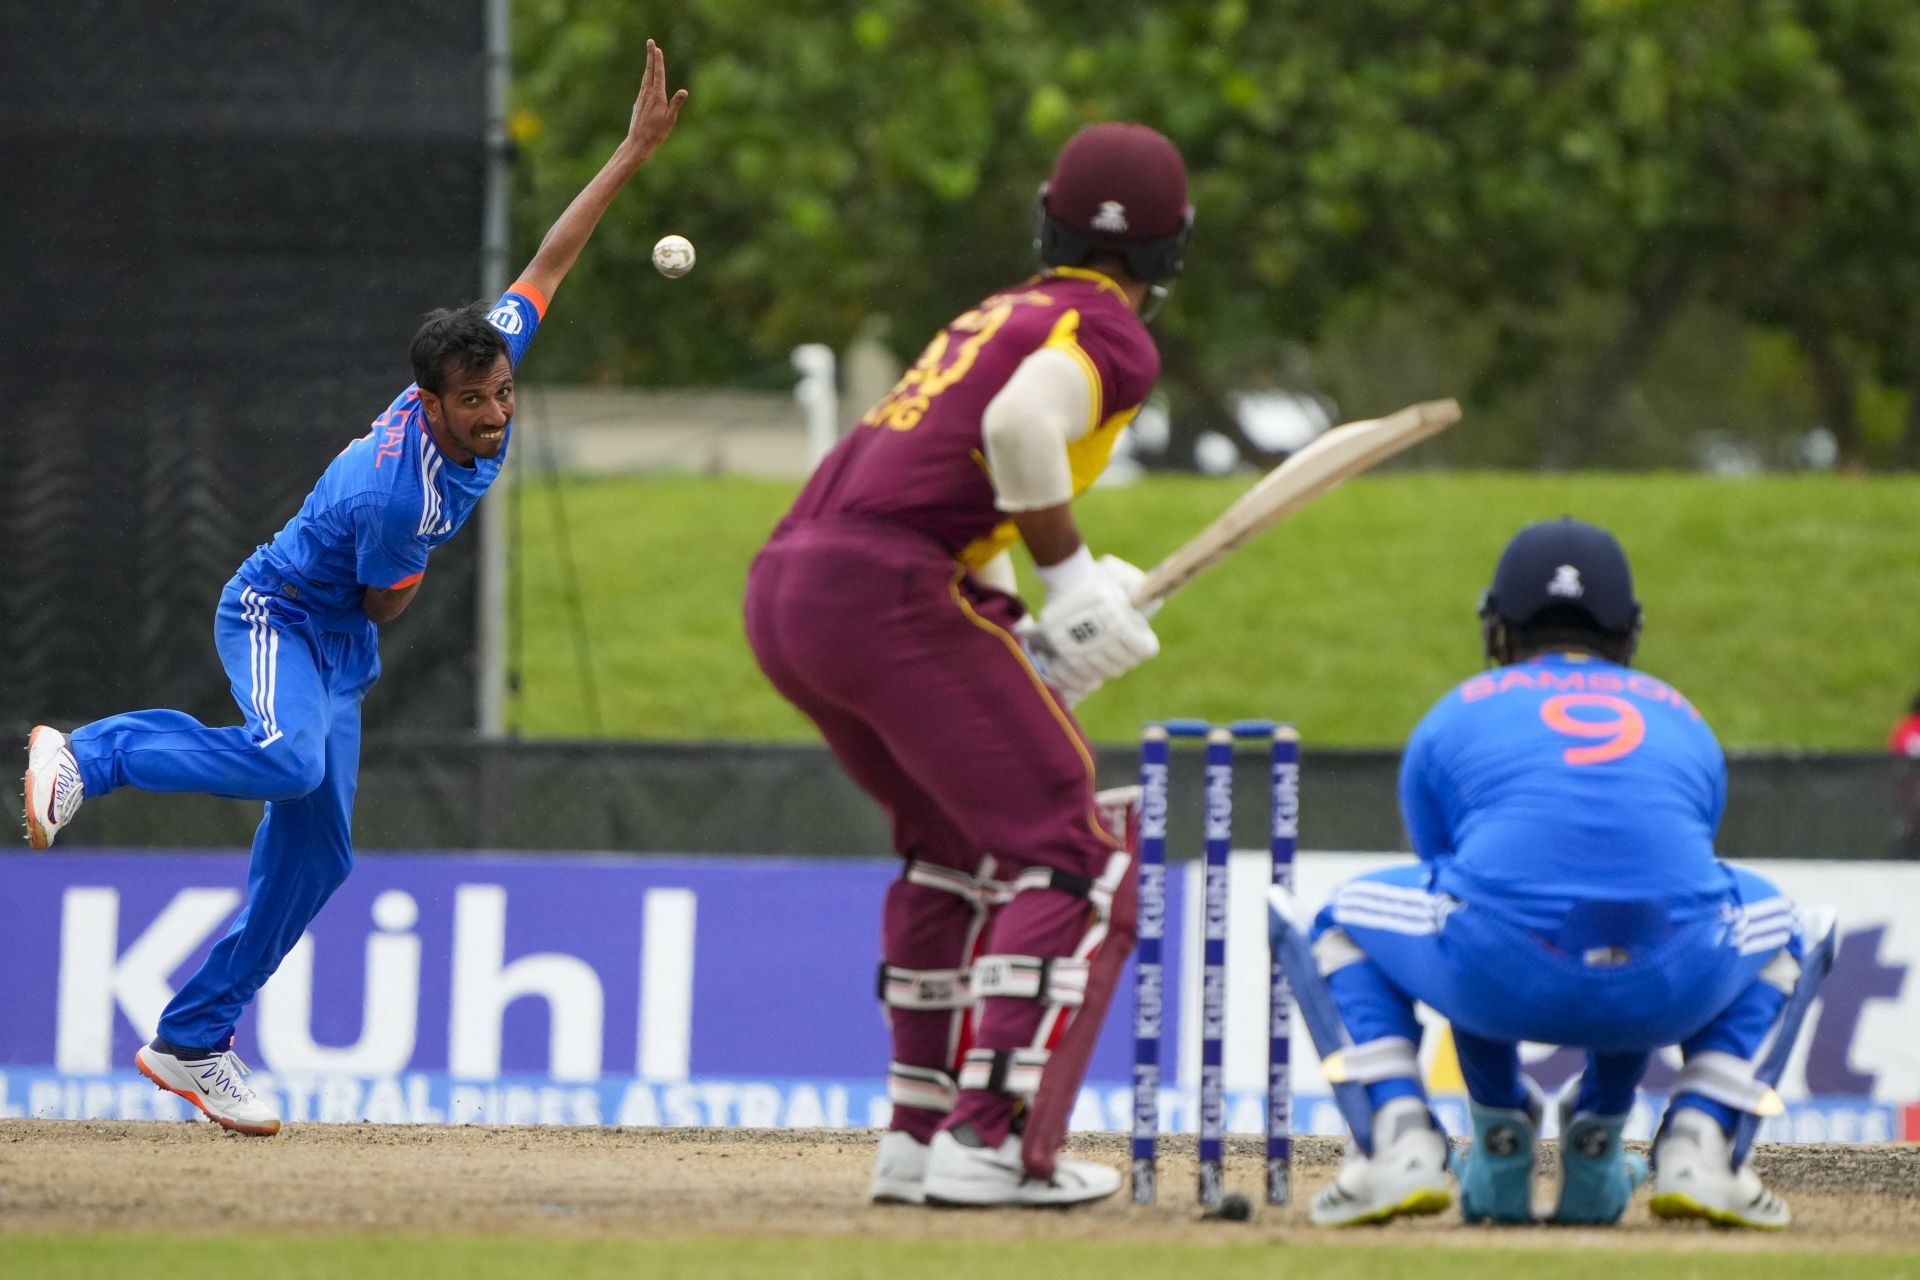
(673, 256)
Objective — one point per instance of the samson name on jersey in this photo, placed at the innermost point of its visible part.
(1567, 778)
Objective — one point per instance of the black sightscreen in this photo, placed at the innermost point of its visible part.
(219, 226)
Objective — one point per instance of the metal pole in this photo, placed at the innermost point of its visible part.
(490, 596)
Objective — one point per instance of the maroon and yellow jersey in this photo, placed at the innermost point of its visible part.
(917, 458)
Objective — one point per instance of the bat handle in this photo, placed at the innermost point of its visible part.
(1153, 590)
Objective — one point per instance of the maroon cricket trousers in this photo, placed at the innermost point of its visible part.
(914, 677)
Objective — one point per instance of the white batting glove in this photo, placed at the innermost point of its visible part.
(1089, 630)
(1129, 576)
(1072, 692)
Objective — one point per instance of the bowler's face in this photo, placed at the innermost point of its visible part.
(471, 415)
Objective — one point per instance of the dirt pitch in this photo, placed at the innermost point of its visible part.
(87, 1176)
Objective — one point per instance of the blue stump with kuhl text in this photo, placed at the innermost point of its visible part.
(1150, 968)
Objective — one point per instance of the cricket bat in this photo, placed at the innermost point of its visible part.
(1334, 456)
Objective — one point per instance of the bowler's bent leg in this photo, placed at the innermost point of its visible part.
(301, 853)
(274, 669)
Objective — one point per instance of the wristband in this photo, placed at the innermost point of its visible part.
(1077, 570)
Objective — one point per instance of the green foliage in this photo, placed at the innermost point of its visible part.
(1774, 602)
(823, 157)
(1394, 199)
(1493, 169)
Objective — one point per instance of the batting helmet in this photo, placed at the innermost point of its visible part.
(1121, 189)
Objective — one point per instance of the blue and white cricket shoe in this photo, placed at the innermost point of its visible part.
(51, 787)
(1694, 1177)
(1405, 1176)
(1496, 1173)
(1598, 1174)
(216, 1083)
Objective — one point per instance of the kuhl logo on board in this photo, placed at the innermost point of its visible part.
(100, 976)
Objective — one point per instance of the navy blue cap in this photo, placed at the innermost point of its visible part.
(1567, 563)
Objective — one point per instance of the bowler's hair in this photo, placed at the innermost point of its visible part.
(454, 337)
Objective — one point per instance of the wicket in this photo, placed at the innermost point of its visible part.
(1150, 974)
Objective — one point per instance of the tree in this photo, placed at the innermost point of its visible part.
(1547, 186)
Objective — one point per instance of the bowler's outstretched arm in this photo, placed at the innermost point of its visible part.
(654, 114)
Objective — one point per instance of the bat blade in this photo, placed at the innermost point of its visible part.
(1331, 458)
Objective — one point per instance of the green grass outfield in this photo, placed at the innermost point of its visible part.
(1786, 607)
(516, 1258)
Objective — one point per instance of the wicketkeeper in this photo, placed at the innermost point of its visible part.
(1563, 806)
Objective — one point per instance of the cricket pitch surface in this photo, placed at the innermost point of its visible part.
(84, 1177)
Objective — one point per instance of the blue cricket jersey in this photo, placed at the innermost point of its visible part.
(385, 501)
(1567, 779)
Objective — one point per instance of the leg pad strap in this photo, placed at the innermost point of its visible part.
(1729, 1080)
(1010, 1071)
(1059, 980)
(931, 875)
(1334, 951)
(984, 890)
(923, 988)
(1097, 890)
(1388, 1058)
(928, 1088)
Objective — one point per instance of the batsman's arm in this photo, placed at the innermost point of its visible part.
(1050, 534)
(654, 114)
(1045, 406)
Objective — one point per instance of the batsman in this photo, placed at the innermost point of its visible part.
(883, 608)
(1563, 806)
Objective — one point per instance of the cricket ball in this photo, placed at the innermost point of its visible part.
(673, 256)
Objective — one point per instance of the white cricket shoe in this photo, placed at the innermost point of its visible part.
(52, 787)
(963, 1175)
(899, 1170)
(1694, 1177)
(217, 1084)
(1406, 1175)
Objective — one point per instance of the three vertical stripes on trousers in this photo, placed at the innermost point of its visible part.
(263, 653)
